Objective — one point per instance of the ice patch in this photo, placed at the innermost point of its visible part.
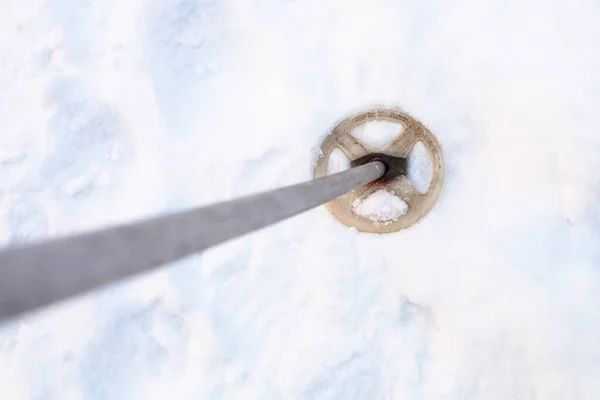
(381, 207)
(419, 168)
(377, 134)
(337, 162)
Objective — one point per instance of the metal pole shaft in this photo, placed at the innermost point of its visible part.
(42, 274)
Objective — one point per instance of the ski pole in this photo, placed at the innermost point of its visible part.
(38, 275)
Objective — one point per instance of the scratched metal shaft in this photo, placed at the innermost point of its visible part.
(41, 274)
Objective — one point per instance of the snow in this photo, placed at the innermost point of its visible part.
(337, 162)
(377, 134)
(114, 110)
(381, 207)
(419, 167)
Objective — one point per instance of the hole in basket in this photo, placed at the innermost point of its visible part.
(420, 168)
(381, 207)
(338, 162)
(378, 134)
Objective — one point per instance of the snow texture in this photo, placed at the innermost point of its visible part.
(381, 207)
(337, 162)
(419, 167)
(377, 134)
(113, 110)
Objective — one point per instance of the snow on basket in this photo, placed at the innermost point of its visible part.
(381, 207)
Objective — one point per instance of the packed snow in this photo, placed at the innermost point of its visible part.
(381, 207)
(114, 110)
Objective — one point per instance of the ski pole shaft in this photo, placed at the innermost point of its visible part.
(41, 274)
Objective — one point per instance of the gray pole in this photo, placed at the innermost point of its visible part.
(41, 274)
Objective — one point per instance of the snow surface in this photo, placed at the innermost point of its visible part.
(381, 207)
(420, 169)
(112, 110)
(377, 134)
(337, 162)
